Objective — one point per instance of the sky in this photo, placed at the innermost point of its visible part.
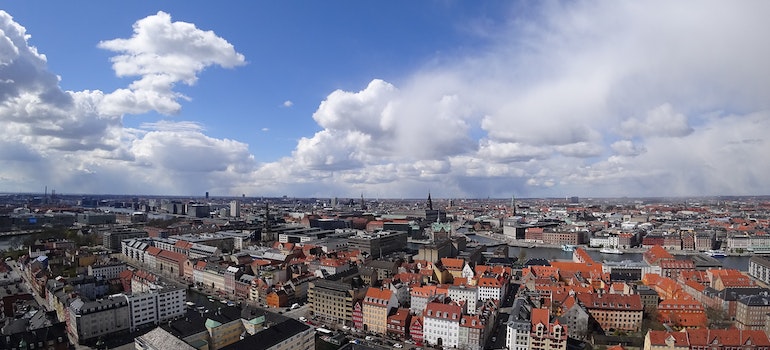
(392, 99)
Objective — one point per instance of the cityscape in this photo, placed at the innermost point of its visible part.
(134, 272)
(358, 175)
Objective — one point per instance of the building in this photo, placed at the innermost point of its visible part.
(467, 294)
(377, 304)
(91, 319)
(332, 299)
(399, 323)
(751, 310)
(112, 239)
(235, 208)
(616, 311)
(711, 339)
(109, 270)
(442, 324)
(378, 244)
(545, 335)
(759, 268)
(490, 287)
(518, 325)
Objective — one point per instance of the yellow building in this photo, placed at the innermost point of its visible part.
(376, 307)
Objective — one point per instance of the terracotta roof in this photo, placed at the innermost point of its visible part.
(710, 337)
(452, 263)
(618, 302)
(489, 282)
(471, 321)
(173, 256)
(451, 312)
(154, 251)
(377, 296)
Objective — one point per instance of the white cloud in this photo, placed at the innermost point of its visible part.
(288, 103)
(580, 98)
(660, 121)
(627, 148)
(76, 141)
(163, 53)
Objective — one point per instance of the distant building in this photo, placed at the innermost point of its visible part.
(112, 239)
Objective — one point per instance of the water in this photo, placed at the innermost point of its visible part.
(731, 262)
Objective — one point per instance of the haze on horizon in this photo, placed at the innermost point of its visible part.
(553, 99)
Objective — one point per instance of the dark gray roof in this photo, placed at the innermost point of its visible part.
(268, 337)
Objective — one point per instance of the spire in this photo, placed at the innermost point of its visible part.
(513, 204)
(430, 202)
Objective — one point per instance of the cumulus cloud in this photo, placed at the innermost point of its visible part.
(537, 111)
(660, 121)
(627, 148)
(76, 141)
(582, 98)
(288, 103)
(162, 53)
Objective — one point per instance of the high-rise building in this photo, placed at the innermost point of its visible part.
(235, 209)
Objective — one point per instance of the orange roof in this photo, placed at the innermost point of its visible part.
(452, 263)
(154, 251)
(377, 296)
(444, 311)
(173, 256)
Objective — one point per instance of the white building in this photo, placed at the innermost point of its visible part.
(490, 288)
(468, 294)
(108, 271)
(441, 324)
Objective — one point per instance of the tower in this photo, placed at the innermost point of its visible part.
(235, 209)
(513, 204)
(430, 202)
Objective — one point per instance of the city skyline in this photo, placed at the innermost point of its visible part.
(396, 100)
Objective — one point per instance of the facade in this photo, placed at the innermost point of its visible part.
(112, 239)
(491, 288)
(617, 311)
(759, 268)
(471, 332)
(332, 300)
(91, 319)
(575, 318)
(518, 326)
(442, 324)
(703, 338)
(751, 310)
(398, 324)
(109, 270)
(377, 304)
(467, 294)
(378, 244)
(545, 335)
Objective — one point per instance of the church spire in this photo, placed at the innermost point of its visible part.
(430, 202)
(513, 204)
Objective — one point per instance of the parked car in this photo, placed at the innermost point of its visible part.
(369, 337)
(398, 345)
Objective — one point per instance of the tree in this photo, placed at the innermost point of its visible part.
(717, 318)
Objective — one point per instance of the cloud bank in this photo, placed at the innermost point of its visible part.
(579, 98)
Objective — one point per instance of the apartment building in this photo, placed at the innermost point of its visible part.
(109, 270)
(332, 300)
(377, 304)
(703, 338)
(442, 324)
(751, 310)
(544, 334)
(759, 268)
(91, 319)
(467, 294)
(616, 311)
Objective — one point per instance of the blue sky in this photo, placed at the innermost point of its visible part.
(391, 99)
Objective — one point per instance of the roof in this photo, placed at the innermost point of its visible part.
(377, 296)
(451, 312)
